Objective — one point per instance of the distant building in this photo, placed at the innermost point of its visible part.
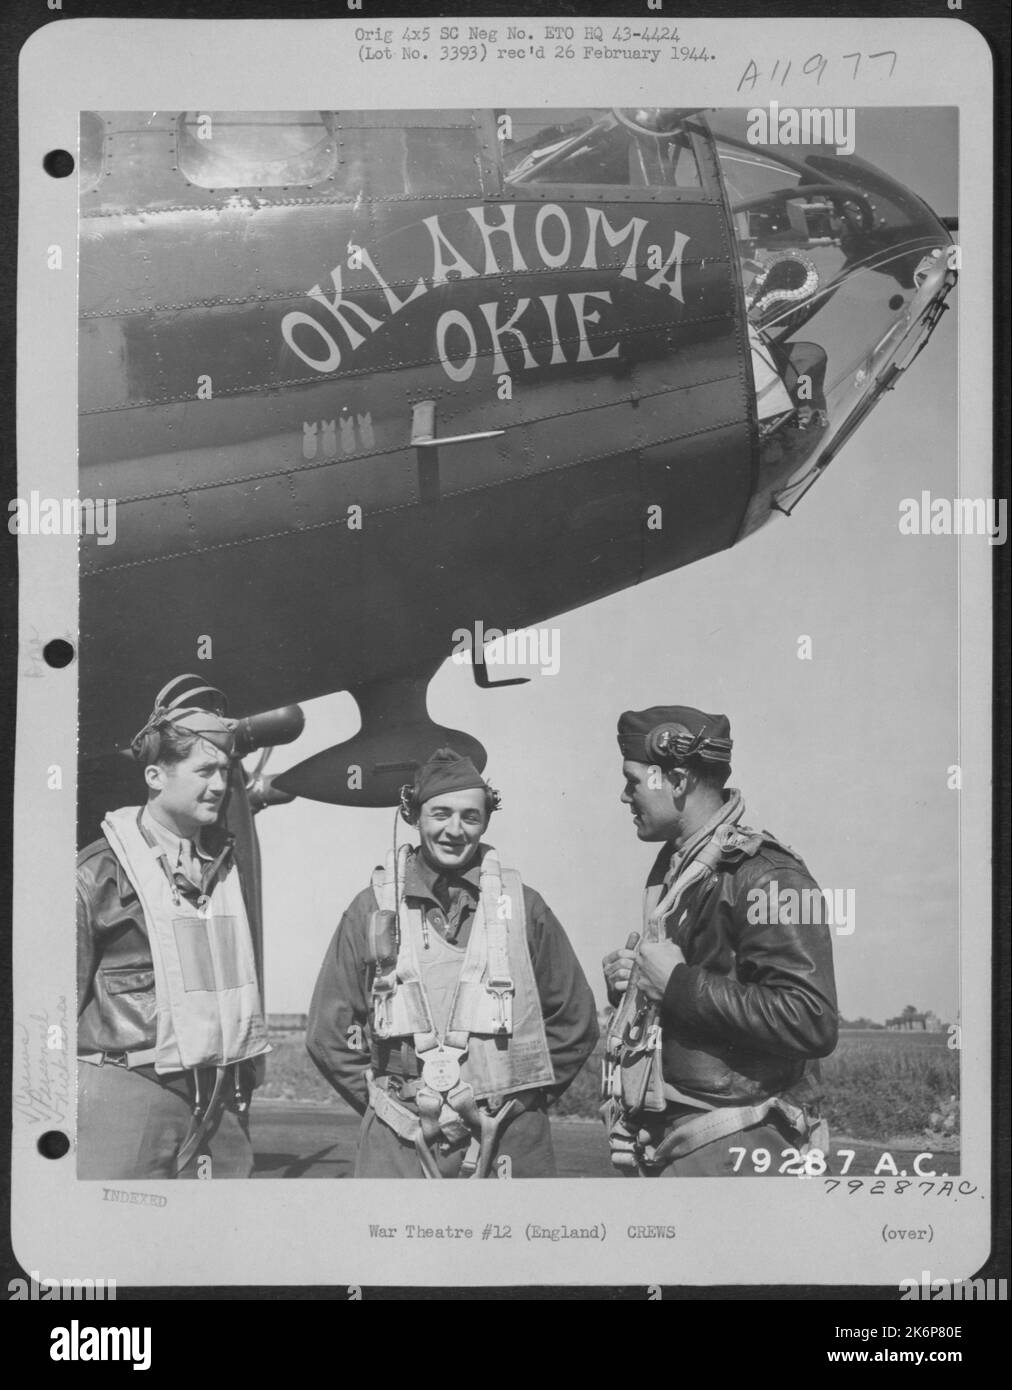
(912, 1021)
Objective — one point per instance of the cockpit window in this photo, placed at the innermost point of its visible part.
(843, 274)
(407, 161)
(255, 149)
(750, 173)
(602, 148)
(91, 152)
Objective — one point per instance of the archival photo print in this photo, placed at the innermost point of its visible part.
(491, 520)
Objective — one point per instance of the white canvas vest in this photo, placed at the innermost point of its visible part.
(207, 1000)
(483, 998)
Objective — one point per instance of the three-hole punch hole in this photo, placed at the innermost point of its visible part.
(53, 1144)
(59, 652)
(58, 164)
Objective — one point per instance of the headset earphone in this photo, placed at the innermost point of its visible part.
(410, 807)
(172, 703)
(672, 743)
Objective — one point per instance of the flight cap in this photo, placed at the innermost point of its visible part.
(671, 733)
(446, 771)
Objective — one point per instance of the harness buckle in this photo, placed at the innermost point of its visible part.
(623, 1142)
(634, 1028)
(441, 1068)
(383, 1000)
(611, 1088)
(502, 995)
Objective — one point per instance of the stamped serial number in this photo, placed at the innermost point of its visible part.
(814, 1163)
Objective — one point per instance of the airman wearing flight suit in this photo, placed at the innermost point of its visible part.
(450, 1006)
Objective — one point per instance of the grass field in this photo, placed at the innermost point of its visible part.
(881, 1084)
(878, 1084)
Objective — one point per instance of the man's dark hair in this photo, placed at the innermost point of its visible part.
(175, 745)
(714, 775)
(708, 774)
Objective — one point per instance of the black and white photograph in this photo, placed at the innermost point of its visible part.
(518, 709)
(562, 354)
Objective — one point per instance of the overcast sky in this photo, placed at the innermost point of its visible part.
(844, 757)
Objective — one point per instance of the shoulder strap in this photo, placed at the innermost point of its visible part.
(383, 888)
(377, 947)
(740, 842)
(767, 837)
(400, 1006)
(486, 989)
(513, 889)
(388, 877)
(498, 910)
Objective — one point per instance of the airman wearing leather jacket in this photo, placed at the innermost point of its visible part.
(740, 984)
(170, 1021)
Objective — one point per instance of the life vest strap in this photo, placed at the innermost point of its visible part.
(695, 1131)
(633, 1075)
(399, 1002)
(145, 1057)
(403, 1123)
(438, 1120)
(498, 978)
(204, 1116)
(632, 1149)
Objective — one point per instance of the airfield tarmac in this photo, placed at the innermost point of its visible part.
(301, 1139)
(297, 1139)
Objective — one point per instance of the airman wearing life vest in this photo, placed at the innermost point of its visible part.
(170, 1019)
(723, 1004)
(450, 1005)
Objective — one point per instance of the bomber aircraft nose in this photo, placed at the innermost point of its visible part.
(844, 273)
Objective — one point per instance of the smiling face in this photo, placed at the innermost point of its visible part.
(651, 799)
(450, 824)
(188, 794)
